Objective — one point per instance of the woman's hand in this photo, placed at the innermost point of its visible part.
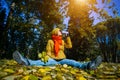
(65, 33)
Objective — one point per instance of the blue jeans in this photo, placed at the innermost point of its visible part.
(51, 62)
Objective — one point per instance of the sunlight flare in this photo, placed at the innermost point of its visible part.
(80, 1)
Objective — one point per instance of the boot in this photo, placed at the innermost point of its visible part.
(94, 64)
(19, 58)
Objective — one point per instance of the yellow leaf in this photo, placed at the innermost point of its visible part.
(47, 78)
(40, 55)
(59, 76)
(42, 70)
(47, 69)
(32, 77)
(26, 77)
(73, 72)
(8, 70)
(80, 77)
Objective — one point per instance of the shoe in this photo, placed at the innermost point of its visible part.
(94, 64)
(19, 58)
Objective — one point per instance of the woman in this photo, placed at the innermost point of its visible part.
(55, 50)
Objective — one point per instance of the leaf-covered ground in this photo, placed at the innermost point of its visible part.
(11, 70)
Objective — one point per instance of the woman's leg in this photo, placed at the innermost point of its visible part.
(51, 62)
(35, 62)
(74, 63)
(21, 60)
(83, 65)
(41, 63)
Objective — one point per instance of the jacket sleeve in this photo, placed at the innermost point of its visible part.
(48, 47)
(68, 43)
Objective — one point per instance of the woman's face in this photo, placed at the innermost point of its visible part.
(59, 33)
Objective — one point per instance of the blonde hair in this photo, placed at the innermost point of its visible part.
(55, 31)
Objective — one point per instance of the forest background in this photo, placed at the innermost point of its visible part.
(28, 24)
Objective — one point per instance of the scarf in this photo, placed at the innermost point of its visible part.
(57, 42)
